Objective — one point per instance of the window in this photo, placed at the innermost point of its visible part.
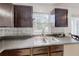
(75, 25)
(41, 23)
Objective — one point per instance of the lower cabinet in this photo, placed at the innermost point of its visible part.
(55, 50)
(51, 54)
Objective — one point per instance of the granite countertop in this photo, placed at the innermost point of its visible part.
(31, 42)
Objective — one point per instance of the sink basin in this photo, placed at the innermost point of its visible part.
(52, 39)
(44, 40)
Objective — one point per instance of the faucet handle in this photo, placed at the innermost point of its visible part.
(44, 40)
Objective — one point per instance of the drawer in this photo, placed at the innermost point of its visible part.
(16, 52)
(41, 55)
(25, 52)
(40, 50)
(56, 48)
(10, 53)
(57, 54)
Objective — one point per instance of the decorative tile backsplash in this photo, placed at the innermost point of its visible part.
(15, 31)
(29, 31)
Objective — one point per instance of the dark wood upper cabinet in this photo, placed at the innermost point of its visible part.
(15, 15)
(6, 15)
(61, 17)
(22, 16)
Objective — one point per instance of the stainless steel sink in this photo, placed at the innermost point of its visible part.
(52, 39)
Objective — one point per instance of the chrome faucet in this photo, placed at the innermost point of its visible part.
(43, 34)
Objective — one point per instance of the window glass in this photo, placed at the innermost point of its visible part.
(75, 25)
(41, 22)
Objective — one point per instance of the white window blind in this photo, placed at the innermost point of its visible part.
(75, 25)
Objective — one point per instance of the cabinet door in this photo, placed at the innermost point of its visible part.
(6, 15)
(61, 19)
(22, 16)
